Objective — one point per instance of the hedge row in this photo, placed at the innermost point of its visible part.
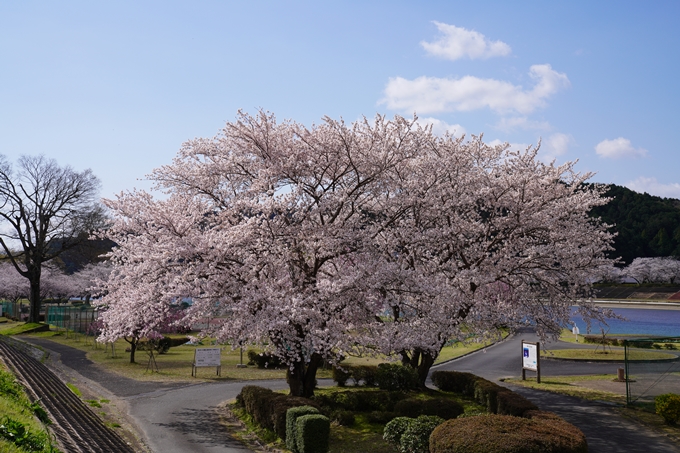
(268, 409)
(497, 399)
(365, 374)
(542, 432)
(387, 376)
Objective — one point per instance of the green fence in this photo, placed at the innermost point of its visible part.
(15, 310)
(75, 319)
(647, 379)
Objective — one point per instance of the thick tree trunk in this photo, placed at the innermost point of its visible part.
(426, 362)
(302, 379)
(34, 298)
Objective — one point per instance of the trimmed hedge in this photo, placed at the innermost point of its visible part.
(360, 401)
(366, 374)
(668, 406)
(312, 433)
(268, 409)
(441, 407)
(497, 399)
(411, 435)
(291, 424)
(392, 376)
(507, 434)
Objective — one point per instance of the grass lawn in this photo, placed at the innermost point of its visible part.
(613, 354)
(175, 365)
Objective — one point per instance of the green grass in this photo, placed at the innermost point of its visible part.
(18, 328)
(613, 354)
(567, 385)
(175, 365)
(15, 405)
(74, 389)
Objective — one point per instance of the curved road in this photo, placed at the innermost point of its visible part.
(183, 418)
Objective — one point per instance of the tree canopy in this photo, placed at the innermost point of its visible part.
(321, 240)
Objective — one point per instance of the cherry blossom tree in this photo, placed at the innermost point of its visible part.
(654, 270)
(492, 238)
(318, 240)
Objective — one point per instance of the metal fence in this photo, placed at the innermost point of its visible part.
(646, 379)
(75, 319)
(15, 310)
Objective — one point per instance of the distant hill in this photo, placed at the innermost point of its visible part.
(647, 225)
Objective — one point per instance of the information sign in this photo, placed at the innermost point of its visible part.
(207, 357)
(531, 359)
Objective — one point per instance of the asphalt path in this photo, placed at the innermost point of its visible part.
(605, 429)
(180, 418)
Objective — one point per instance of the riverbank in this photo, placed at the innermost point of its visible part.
(646, 304)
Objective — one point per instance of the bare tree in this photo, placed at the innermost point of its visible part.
(45, 209)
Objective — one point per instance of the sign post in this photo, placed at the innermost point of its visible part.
(207, 357)
(531, 359)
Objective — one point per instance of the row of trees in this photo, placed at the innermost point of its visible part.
(54, 283)
(649, 270)
(375, 236)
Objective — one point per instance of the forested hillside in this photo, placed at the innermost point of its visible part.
(647, 225)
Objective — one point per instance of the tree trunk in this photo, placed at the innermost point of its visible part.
(426, 362)
(34, 297)
(302, 379)
(133, 348)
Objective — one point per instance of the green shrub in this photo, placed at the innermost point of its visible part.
(258, 403)
(10, 387)
(391, 376)
(264, 360)
(486, 393)
(411, 435)
(343, 418)
(416, 438)
(381, 417)
(279, 409)
(454, 381)
(312, 433)
(511, 403)
(291, 419)
(441, 407)
(507, 434)
(359, 401)
(395, 429)
(668, 406)
(669, 346)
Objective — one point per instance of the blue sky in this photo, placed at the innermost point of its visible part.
(118, 86)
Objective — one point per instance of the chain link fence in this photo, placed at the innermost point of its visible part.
(645, 380)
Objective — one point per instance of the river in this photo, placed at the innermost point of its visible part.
(639, 321)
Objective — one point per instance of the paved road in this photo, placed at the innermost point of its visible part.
(182, 418)
(605, 429)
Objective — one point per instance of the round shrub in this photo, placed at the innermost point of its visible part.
(416, 438)
(668, 406)
(507, 434)
(392, 376)
(395, 429)
(381, 417)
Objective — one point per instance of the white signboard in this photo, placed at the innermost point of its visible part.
(207, 357)
(530, 356)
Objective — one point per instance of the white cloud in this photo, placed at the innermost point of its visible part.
(521, 122)
(554, 146)
(619, 147)
(432, 94)
(458, 42)
(440, 127)
(654, 187)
